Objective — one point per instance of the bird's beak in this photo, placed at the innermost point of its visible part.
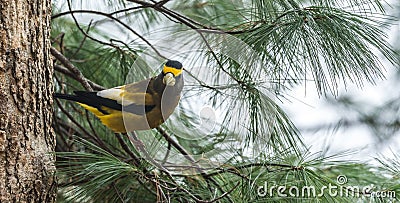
(169, 79)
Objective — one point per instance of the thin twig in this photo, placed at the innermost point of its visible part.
(60, 40)
(190, 158)
(127, 150)
(167, 154)
(118, 193)
(219, 62)
(175, 144)
(225, 194)
(116, 20)
(127, 9)
(90, 123)
(78, 74)
(83, 40)
(140, 146)
(68, 73)
(185, 20)
(83, 32)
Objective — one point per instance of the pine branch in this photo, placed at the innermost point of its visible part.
(110, 16)
(75, 71)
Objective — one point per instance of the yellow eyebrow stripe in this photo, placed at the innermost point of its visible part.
(174, 71)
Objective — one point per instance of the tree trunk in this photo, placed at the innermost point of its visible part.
(27, 171)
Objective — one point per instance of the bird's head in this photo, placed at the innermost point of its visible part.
(171, 70)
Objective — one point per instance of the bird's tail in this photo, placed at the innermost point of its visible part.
(67, 97)
(89, 98)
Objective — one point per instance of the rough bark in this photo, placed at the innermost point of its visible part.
(27, 171)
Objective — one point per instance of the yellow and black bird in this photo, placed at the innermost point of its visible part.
(138, 106)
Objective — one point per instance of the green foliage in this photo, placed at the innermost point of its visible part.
(223, 14)
(101, 177)
(328, 44)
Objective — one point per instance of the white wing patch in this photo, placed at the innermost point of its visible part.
(116, 94)
(113, 93)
